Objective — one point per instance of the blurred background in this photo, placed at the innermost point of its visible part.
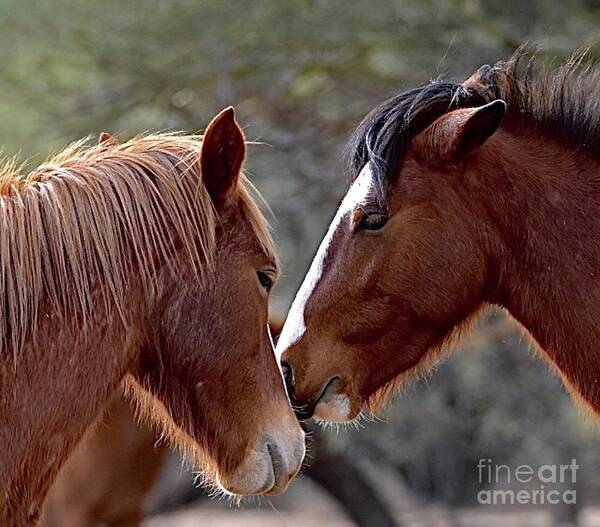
(302, 74)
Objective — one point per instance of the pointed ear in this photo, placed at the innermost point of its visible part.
(106, 139)
(223, 152)
(472, 127)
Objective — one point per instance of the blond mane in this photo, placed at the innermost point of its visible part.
(87, 215)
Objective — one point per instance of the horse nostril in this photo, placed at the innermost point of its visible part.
(288, 377)
(302, 411)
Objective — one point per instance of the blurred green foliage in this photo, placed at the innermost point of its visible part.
(71, 67)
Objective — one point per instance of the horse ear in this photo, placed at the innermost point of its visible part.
(106, 139)
(472, 127)
(223, 152)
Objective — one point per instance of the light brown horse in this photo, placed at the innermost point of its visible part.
(109, 474)
(108, 477)
(150, 262)
(462, 195)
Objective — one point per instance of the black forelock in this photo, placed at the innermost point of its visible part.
(560, 102)
(384, 135)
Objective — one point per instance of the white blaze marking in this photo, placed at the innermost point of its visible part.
(294, 326)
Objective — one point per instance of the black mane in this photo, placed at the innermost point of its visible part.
(562, 102)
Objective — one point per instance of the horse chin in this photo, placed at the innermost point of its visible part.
(254, 477)
(267, 469)
(336, 408)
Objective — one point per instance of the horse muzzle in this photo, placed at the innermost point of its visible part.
(330, 403)
(268, 469)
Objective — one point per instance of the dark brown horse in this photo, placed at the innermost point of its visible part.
(463, 195)
(147, 263)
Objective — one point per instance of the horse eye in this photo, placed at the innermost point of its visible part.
(265, 279)
(373, 221)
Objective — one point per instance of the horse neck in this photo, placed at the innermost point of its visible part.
(49, 397)
(544, 204)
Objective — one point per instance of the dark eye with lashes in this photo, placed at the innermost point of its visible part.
(266, 278)
(371, 221)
